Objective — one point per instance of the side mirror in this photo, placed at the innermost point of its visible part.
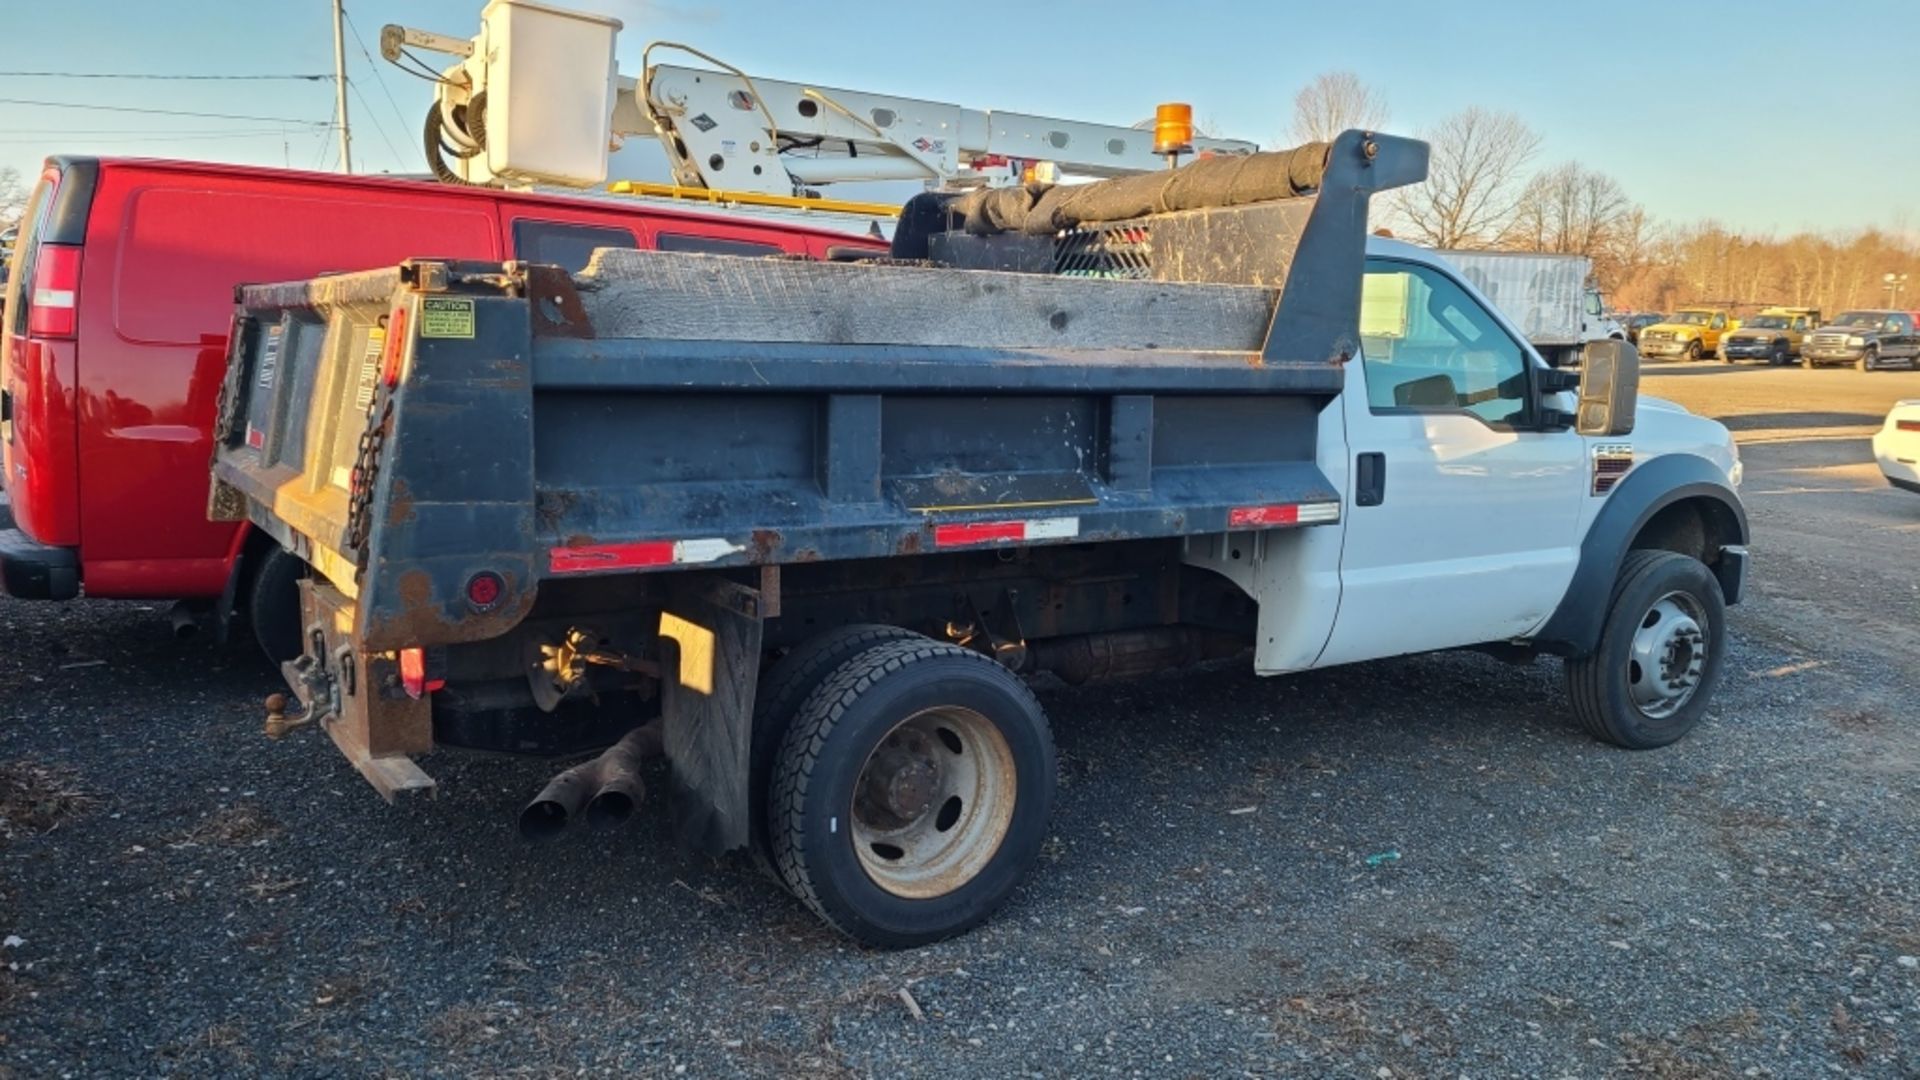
(1609, 389)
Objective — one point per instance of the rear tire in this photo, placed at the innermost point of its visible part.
(273, 605)
(786, 685)
(964, 753)
(1648, 681)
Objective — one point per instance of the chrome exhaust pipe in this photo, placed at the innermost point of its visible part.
(607, 789)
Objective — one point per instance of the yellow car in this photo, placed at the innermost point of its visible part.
(1689, 333)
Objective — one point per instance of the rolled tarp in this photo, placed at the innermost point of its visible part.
(1236, 180)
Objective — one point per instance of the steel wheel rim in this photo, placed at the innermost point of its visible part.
(933, 802)
(1668, 656)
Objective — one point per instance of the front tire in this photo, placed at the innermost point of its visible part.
(912, 792)
(1661, 649)
(1868, 360)
(1779, 356)
(1693, 351)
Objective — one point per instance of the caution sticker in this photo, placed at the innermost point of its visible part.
(446, 317)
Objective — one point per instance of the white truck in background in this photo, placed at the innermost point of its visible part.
(1550, 297)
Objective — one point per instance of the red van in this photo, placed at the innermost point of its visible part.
(114, 336)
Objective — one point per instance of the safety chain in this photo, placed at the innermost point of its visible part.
(360, 482)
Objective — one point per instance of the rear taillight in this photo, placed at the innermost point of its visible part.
(52, 307)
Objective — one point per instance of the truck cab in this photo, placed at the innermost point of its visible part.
(1690, 333)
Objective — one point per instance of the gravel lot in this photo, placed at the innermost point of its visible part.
(1410, 868)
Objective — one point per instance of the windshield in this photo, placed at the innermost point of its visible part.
(1858, 318)
(1691, 318)
(1767, 322)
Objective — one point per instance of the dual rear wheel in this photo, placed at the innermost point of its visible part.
(907, 783)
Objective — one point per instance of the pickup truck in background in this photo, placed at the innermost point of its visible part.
(803, 527)
(1551, 297)
(1775, 335)
(1688, 334)
(115, 335)
(1869, 340)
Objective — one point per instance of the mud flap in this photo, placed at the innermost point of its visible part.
(710, 648)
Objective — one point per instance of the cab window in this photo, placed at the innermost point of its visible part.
(1427, 346)
(1800, 323)
(712, 245)
(1898, 324)
(565, 245)
(1719, 322)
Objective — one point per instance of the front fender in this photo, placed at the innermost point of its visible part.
(1652, 486)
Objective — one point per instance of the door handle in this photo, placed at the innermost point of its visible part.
(1370, 479)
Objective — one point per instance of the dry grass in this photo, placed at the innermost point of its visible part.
(36, 798)
(242, 825)
(1695, 1052)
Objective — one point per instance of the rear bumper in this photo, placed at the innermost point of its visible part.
(30, 570)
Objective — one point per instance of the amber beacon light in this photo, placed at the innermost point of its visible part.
(1173, 130)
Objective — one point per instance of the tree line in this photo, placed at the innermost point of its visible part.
(1485, 191)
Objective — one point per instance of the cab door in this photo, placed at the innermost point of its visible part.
(1462, 514)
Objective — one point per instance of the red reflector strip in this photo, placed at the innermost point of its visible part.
(1263, 517)
(1280, 515)
(256, 438)
(960, 534)
(393, 348)
(1907, 425)
(638, 555)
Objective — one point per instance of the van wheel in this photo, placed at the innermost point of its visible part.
(912, 792)
(1660, 652)
(1693, 350)
(273, 605)
(785, 686)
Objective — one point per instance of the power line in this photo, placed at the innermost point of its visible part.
(142, 75)
(373, 116)
(166, 112)
(377, 76)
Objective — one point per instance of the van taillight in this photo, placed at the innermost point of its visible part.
(52, 310)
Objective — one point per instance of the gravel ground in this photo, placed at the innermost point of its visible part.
(1409, 868)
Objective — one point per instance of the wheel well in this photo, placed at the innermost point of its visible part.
(1696, 527)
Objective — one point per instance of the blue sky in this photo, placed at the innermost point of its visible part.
(1768, 116)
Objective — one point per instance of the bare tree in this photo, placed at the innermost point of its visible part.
(1333, 102)
(13, 197)
(1473, 180)
(1569, 209)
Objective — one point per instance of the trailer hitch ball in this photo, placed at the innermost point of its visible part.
(279, 724)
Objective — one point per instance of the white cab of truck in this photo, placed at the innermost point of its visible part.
(1470, 517)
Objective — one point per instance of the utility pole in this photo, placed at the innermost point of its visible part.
(340, 85)
(1894, 283)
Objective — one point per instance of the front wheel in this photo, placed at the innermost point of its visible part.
(1661, 648)
(1779, 356)
(912, 792)
(1869, 359)
(1693, 350)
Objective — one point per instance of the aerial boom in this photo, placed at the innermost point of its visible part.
(536, 97)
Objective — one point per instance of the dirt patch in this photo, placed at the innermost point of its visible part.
(1696, 1052)
(37, 798)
